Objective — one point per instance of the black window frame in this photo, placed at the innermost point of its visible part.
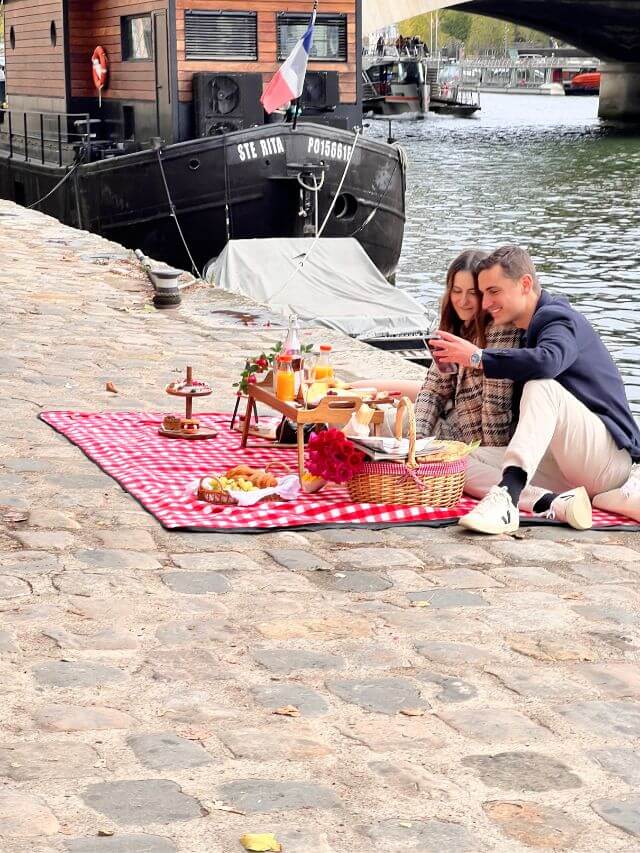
(251, 17)
(125, 40)
(302, 21)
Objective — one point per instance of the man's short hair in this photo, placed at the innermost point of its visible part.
(514, 261)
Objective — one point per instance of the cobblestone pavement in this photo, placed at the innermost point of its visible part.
(455, 694)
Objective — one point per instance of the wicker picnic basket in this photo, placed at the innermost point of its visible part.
(436, 480)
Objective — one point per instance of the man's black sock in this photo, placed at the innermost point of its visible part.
(544, 503)
(514, 480)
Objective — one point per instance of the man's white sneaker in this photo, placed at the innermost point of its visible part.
(572, 508)
(494, 514)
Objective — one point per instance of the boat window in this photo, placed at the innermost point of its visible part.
(408, 72)
(53, 34)
(218, 34)
(137, 39)
(12, 38)
(329, 37)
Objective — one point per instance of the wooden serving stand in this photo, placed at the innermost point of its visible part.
(198, 434)
(335, 411)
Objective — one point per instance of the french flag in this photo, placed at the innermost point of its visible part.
(288, 81)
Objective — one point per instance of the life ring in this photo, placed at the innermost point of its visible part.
(100, 68)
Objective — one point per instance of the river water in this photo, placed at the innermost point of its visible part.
(543, 172)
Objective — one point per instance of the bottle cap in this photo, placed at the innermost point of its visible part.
(325, 347)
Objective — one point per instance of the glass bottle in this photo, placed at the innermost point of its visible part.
(324, 369)
(285, 380)
(292, 347)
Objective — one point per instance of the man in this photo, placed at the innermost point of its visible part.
(576, 436)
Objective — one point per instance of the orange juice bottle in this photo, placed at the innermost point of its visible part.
(324, 370)
(285, 380)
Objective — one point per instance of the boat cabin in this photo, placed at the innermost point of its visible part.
(177, 69)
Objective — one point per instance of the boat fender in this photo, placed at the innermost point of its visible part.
(100, 69)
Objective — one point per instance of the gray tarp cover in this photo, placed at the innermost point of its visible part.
(338, 286)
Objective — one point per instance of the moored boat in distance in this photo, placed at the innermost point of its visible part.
(586, 83)
(177, 136)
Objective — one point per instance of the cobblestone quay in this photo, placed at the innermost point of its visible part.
(454, 694)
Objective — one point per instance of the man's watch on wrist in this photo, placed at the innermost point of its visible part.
(476, 359)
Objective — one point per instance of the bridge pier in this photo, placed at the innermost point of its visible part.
(620, 91)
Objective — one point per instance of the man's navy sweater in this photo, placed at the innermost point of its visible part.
(561, 344)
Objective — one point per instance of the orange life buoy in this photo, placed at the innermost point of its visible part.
(100, 68)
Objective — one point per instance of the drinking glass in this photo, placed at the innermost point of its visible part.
(307, 376)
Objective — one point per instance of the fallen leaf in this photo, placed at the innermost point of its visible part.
(287, 711)
(111, 387)
(412, 712)
(11, 514)
(263, 842)
(421, 604)
(105, 833)
(222, 808)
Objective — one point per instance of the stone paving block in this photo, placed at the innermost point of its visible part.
(454, 554)
(25, 816)
(267, 795)
(297, 560)
(71, 482)
(622, 812)
(117, 558)
(604, 718)
(12, 587)
(456, 654)
(306, 700)
(393, 735)
(368, 558)
(603, 573)
(332, 628)
(351, 536)
(429, 623)
(78, 718)
(622, 763)
(71, 674)
(168, 751)
(527, 576)
(25, 762)
(464, 579)
(451, 689)
(374, 656)
(190, 665)
(121, 844)
(535, 825)
(295, 840)
(534, 683)
(407, 580)
(532, 553)
(448, 598)
(224, 561)
(23, 466)
(396, 835)
(362, 582)
(613, 679)
(527, 771)
(47, 540)
(286, 660)
(114, 639)
(129, 539)
(193, 706)
(52, 518)
(607, 614)
(140, 802)
(274, 743)
(551, 648)
(7, 643)
(384, 695)
(412, 780)
(194, 631)
(494, 725)
(25, 563)
(196, 583)
(614, 553)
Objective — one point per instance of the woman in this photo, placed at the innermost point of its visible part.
(466, 406)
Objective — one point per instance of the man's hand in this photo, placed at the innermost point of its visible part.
(448, 347)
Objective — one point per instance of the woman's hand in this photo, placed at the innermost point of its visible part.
(448, 347)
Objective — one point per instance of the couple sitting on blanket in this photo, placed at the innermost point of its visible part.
(536, 385)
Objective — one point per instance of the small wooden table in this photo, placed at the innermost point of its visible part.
(335, 411)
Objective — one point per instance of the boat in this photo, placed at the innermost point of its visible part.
(395, 85)
(142, 122)
(585, 83)
(455, 101)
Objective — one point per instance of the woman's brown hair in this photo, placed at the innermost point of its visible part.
(476, 331)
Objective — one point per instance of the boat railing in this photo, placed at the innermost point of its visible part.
(45, 137)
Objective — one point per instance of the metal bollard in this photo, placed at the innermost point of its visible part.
(167, 293)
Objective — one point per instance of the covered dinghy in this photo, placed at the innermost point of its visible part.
(337, 286)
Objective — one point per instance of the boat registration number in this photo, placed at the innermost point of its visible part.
(271, 145)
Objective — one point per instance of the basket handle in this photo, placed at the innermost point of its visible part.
(277, 463)
(405, 403)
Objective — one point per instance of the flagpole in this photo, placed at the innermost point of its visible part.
(298, 100)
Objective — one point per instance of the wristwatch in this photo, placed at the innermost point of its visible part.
(476, 359)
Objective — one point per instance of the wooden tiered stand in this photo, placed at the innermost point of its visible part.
(188, 398)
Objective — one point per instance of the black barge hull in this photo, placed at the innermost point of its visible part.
(241, 185)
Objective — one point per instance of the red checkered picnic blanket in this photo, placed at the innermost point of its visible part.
(161, 473)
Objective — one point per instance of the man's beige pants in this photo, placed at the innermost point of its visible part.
(558, 442)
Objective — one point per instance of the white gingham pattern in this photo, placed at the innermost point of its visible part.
(161, 472)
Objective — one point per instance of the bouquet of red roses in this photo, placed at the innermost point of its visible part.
(333, 457)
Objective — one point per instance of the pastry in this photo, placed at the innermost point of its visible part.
(171, 422)
(258, 477)
(189, 425)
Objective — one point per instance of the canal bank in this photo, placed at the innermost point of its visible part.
(504, 713)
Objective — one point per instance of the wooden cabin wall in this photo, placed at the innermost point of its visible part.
(267, 61)
(97, 22)
(35, 69)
